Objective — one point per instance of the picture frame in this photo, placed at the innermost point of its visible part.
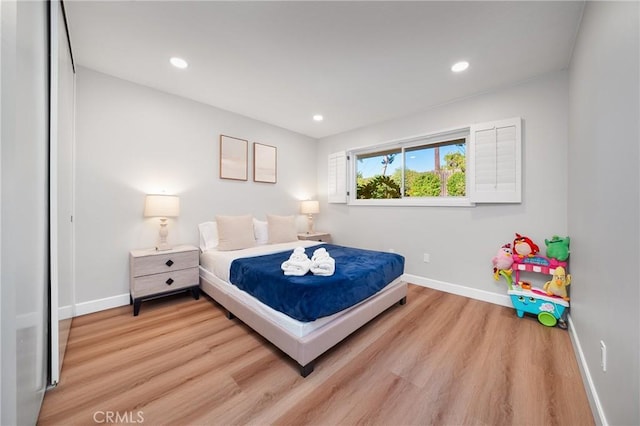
(265, 163)
(234, 154)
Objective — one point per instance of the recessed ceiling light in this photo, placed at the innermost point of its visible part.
(460, 66)
(318, 117)
(178, 62)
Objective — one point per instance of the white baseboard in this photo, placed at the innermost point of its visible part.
(65, 312)
(101, 304)
(460, 290)
(592, 394)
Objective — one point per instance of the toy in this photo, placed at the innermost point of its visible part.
(548, 304)
(558, 284)
(549, 310)
(525, 285)
(524, 246)
(502, 261)
(558, 248)
(537, 263)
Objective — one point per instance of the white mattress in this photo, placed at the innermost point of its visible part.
(215, 266)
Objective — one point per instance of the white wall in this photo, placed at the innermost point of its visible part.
(603, 195)
(462, 240)
(132, 140)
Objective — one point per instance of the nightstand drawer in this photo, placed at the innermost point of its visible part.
(167, 281)
(160, 263)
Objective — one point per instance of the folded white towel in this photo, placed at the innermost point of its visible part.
(298, 263)
(320, 253)
(322, 263)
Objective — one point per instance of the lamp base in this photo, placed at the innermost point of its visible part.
(310, 224)
(162, 243)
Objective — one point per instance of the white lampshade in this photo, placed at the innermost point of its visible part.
(310, 207)
(161, 206)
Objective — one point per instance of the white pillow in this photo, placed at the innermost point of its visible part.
(208, 235)
(282, 229)
(261, 231)
(235, 232)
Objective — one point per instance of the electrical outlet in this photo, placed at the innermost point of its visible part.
(603, 356)
(426, 258)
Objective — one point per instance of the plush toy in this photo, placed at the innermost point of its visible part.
(502, 260)
(558, 284)
(523, 246)
(558, 248)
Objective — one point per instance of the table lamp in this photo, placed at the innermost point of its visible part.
(310, 207)
(162, 206)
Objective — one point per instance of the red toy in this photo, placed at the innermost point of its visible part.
(523, 246)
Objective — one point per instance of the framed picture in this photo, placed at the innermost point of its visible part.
(233, 158)
(265, 163)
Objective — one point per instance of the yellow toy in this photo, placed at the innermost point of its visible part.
(558, 284)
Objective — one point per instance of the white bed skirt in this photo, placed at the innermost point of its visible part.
(303, 342)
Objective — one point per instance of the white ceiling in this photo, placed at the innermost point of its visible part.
(357, 63)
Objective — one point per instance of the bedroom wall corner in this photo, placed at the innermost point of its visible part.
(462, 240)
(133, 140)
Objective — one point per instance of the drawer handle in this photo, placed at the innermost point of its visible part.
(169, 281)
(169, 262)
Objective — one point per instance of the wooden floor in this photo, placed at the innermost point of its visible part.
(440, 359)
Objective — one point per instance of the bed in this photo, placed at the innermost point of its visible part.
(302, 340)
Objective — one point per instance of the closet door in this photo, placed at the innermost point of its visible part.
(62, 166)
(24, 115)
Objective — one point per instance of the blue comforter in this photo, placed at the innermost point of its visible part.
(358, 275)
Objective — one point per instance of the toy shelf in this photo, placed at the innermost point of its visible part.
(548, 309)
(539, 264)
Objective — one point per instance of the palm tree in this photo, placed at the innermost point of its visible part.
(386, 160)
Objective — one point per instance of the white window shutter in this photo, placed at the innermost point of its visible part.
(337, 177)
(495, 162)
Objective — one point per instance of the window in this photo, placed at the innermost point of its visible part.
(378, 175)
(480, 163)
(436, 170)
(424, 170)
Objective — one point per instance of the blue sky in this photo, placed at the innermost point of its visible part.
(419, 160)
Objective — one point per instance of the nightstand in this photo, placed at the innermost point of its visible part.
(161, 273)
(325, 237)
